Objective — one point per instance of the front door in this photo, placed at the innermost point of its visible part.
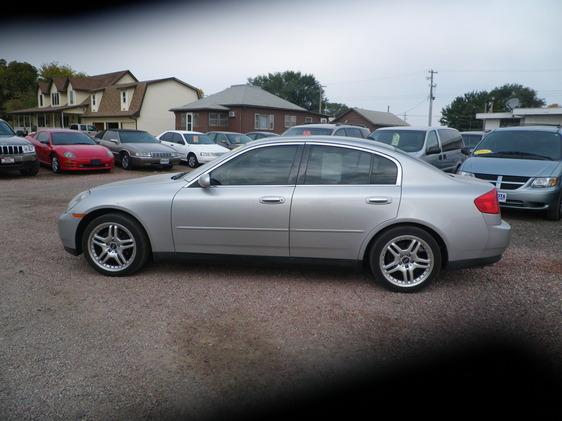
(246, 209)
(342, 195)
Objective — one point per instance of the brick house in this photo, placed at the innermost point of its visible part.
(370, 119)
(243, 108)
(111, 100)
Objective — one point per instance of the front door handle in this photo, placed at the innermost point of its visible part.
(272, 200)
(378, 200)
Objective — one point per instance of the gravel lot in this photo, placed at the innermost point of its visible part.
(187, 337)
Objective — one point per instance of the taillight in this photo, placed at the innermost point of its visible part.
(488, 202)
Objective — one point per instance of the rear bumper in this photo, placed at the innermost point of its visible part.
(471, 263)
(532, 199)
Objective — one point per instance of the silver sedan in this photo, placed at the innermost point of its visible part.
(296, 198)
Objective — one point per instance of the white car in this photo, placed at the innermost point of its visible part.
(194, 147)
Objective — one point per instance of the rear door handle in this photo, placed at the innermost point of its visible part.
(272, 200)
(378, 200)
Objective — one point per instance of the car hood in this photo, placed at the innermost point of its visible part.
(13, 140)
(83, 151)
(516, 167)
(150, 180)
(208, 148)
(146, 147)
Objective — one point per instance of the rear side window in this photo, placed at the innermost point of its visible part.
(177, 138)
(450, 139)
(334, 165)
(263, 166)
(432, 142)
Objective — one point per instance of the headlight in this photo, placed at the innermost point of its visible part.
(543, 182)
(28, 149)
(77, 199)
(143, 154)
(69, 155)
(468, 174)
(206, 154)
(175, 154)
(109, 153)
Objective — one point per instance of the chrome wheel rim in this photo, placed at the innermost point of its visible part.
(406, 261)
(55, 164)
(112, 246)
(191, 161)
(125, 161)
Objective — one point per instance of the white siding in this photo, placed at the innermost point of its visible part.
(155, 116)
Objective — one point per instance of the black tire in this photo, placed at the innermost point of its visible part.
(30, 172)
(401, 236)
(55, 164)
(554, 213)
(126, 161)
(192, 161)
(168, 167)
(142, 244)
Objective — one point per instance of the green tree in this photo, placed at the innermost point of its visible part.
(334, 109)
(53, 69)
(461, 112)
(301, 89)
(18, 84)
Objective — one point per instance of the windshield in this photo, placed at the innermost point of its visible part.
(308, 131)
(198, 139)
(71, 139)
(407, 140)
(521, 144)
(238, 139)
(471, 140)
(87, 128)
(5, 129)
(137, 137)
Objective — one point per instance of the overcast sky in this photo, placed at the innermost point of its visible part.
(369, 54)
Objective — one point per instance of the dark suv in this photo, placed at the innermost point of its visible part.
(16, 153)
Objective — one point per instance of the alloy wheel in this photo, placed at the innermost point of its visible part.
(192, 161)
(55, 166)
(112, 246)
(406, 261)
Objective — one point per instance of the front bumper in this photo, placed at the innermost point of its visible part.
(153, 162)
(67, 227)
(531, 198)
(86, 164)
(205, 159)
(23, 161)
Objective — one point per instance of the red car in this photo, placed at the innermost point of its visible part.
(69, 150)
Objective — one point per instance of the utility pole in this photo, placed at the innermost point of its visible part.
(404, 117)
(431, 97)
(320, 100)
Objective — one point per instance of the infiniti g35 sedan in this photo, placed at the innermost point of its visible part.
(321, 197)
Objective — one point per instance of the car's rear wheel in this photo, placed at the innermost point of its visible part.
(55, 164)
(126, 161)
(405, 259)
(115, 245)
(192, 161)
(555, 211)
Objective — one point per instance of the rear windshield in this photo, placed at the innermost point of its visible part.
(137, 137)
(406, 140)
(5, 129)
(308, 131)
(471, 140)
(71, 139)
(521, 144)
(238, 139)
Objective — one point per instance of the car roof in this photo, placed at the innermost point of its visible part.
(422, 128)
(327, 126)
(56, 129)
(182, 132)
(472, 132)
(551, 129)
(336, 140)
(220, 131)
(126, 130)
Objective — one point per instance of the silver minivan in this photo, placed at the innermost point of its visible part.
(441, 147)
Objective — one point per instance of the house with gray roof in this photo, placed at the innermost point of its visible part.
(116, 100)
(242, 108)
(369, 119)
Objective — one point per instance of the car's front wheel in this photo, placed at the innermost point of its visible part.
(55, 164)
(30, 171)
(126, 161)
(115, 245)
(405, 259)
(192, 161)
(554, 212)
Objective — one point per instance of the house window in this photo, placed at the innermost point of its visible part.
(182, 122)
(41, 120)
(307, 120)
(218, 120)
(195, 119)
(55, 98)
(71, 97)
(290, 120)
(264, 122)
(41, 100)
(93, 100)
(124, 97)
(323, 120)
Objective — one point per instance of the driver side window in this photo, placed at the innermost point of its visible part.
(432, 145)
(263, 166)
(43, 137)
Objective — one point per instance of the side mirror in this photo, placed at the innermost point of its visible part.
(204, 181)
(466, 150)
(20, 133)
(114, 141)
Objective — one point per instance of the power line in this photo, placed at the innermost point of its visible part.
(376, 78)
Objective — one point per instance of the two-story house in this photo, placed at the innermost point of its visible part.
(112, 100)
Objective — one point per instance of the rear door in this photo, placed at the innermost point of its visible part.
(451, 144)
(342, 194)
(433, 151)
